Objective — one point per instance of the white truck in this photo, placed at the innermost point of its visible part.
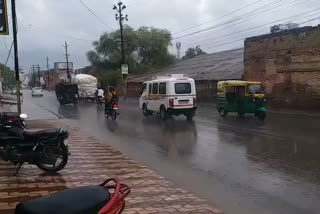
(87, 86)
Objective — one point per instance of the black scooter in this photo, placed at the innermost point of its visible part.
(44, 148)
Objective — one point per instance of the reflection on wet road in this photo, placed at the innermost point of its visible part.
(240, 165)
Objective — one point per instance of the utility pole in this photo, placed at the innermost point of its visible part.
(48, 73)
(15, 48)
(119, 17)
(67, 61)
(36, 68)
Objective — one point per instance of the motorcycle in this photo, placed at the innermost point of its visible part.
(99, 100)
(81, 200)
(112, 111)
(13, 118)
(43, 148)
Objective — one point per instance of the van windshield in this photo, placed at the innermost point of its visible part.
(255, 89)
(182, 88)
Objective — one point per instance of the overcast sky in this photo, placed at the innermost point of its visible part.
(44, 25)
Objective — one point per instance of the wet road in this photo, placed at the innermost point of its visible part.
(240, 165)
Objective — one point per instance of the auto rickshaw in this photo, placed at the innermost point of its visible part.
(241, 97)
(67, 93)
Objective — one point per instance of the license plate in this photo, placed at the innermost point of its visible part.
(183, 101)
(115, 108)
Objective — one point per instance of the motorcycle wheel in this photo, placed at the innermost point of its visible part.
(49, 155)
(113, 115)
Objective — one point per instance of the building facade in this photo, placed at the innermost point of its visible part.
(288, 65)
(58, 74)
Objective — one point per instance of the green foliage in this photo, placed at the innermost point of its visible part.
(8, 76)
(193, 52)
(146, 49)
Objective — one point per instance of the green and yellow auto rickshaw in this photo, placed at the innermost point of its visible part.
(241, 97)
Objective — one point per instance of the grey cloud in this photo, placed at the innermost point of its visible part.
(44, 25)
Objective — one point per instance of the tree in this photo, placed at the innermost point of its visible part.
(8, 76)
(145, 50)
(193, 52)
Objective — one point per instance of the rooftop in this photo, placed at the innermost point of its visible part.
(283, 33)
(223, 65)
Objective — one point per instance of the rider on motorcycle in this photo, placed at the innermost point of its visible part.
(110, 98)
(100, 93)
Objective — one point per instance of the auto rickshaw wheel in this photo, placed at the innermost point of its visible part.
(261, 115)
(222, 112)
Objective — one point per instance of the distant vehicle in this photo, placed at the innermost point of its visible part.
(14, 91)
(169, 95)
(241, 97)
(87, 86)
(67, 93)
(37, 91)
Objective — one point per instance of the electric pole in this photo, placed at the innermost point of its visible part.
(15, 48)
(120, 17)
(48, 73)
(67, 61)
(36, 68)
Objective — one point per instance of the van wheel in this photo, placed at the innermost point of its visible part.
(145, 110)
(261, 115)
(189, 116)
(163, 113)
(222, 112)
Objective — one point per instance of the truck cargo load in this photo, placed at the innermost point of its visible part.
(87, 85)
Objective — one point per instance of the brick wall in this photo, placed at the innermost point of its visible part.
(288, 64)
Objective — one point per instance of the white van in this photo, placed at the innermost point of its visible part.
(169, 95)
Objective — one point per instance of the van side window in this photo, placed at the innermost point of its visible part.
(155, 88)
(150, 88)
(163, 88)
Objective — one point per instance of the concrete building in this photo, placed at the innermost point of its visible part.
(58, 74)
(288, 64)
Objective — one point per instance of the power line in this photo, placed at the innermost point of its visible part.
(228, 14)
(235, 19)
(9, 54)
(214, 38)
(310, 20)
(42, 30)
(294, 16)
(95, 14)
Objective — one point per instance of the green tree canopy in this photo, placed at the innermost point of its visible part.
(145, 48)
(8, 76)
(193, 52)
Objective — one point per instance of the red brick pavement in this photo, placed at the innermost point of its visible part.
(90, 163)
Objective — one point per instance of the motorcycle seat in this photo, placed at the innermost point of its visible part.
(45, 133)
(82, 200)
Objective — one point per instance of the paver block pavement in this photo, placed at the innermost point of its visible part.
(91, 162)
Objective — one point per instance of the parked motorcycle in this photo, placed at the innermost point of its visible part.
(112, 111)
(13, 118)
(82, 200)
(44, 148)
